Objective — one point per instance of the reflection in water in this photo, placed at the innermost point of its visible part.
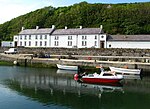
(104, 88)
(58, 90)
(133, 77)
(51, 89)
(59, 71)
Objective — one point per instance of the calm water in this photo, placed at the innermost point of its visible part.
(38, 88)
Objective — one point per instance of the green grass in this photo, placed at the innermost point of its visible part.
(6, 63)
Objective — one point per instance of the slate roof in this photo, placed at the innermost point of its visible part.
(128, 38)
(77, 31)
(37, 31)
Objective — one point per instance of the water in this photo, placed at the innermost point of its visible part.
(43, 88)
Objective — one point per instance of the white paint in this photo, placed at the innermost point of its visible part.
(129, 44)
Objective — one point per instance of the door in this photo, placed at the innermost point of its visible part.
(15, 43)
(102, 43)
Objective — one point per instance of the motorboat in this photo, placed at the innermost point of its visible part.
(103, 77)
(67, 67)
(126, 70)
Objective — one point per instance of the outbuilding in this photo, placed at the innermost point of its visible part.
(128, 41)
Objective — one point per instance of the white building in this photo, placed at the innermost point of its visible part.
(64, 38)
(34, 37)
(7, 44)
(128, 41)
(78, 38)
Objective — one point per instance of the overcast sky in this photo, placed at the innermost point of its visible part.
(10, 9)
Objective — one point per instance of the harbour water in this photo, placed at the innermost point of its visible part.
(44, 88)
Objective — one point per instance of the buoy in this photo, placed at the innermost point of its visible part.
(15, 62)
(76, 77)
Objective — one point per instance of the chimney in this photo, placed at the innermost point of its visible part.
(80, 27)
(101, 27)
(53, 26)
(22, 28)
(66, 27)
(37, 27)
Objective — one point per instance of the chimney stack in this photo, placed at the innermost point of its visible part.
(80, 27)
(22, 28)
(66, 27)
(37, 27)
(53, 26)
(101, 27)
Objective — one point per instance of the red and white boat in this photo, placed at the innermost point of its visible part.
(103, 77)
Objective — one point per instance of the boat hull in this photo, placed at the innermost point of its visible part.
(126, 71)
(67, 67)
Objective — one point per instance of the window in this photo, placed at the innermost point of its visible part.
(109, 45)
(40, 43)
(20, 43)
(25, 43)
(36, 37)
(107, 74)
(20, 37)
(69, 37)
(29, 43)
(84, 43)
(40, 36)
(36, 43)
(69, 43)
(25, 37)
(56, 43)
(95, 43)
(102, 36)
(84, 37)
(95, 37)
(45, 43)
(91, 75)
(29, 36)
(56, 37)
(45, 36)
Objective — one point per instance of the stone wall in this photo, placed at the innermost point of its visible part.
(85, 51)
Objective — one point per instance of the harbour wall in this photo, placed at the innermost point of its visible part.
(133, 58)
(83, 61)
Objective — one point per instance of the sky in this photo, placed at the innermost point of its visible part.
(10, 9)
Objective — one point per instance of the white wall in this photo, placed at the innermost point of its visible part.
(79, 41)
(88, 41)
(102, 38)
(129, 44)
(62, 41)
(32, 40)
(15, 38)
